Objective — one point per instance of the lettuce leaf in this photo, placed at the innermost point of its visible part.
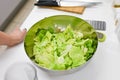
(62, 50)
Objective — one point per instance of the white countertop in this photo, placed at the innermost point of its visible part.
(105, 63)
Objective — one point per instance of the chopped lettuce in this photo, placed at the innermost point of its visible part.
(62, 50)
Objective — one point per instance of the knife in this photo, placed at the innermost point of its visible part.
(65, 3)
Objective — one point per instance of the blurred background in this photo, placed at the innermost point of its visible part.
(13, 13)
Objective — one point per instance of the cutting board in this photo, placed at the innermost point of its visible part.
(75, 9)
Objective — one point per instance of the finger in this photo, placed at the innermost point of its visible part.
(24, 31)
(17, 28)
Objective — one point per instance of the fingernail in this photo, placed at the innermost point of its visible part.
(25, 29)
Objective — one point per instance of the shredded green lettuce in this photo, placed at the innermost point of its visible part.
(62, 50)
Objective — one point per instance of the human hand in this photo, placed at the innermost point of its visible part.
(16, 36)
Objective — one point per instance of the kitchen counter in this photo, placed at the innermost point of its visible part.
(105, 63)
